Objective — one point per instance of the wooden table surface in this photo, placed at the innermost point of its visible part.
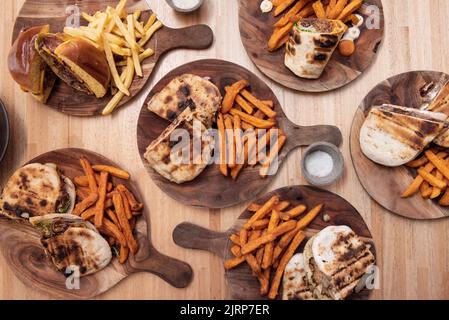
(413, 256)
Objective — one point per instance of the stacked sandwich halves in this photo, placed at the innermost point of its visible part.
(393, 135)
(334, 262)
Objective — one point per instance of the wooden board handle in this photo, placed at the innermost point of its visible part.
(177, 273)
(305, 136)
(191, 236)
(194, 37)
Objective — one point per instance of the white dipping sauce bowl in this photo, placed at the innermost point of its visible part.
(196, 7)
(337, 170)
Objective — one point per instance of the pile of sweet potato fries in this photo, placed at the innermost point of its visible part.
(433, 177)
(247, 127)
(298, 9)
(112, 209)
(269, 239)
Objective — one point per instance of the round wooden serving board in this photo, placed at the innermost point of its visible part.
(211, 189)
(21, 248)
(240, 282)
(385, 184)
(4, 130)
(53, 12)
(256, 29)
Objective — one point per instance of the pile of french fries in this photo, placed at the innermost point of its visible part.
(298, 9)
(112, 209)
(433, 177)
(122, 37)
(269, 239)
(242, 112)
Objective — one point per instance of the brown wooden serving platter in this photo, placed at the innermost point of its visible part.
(21, 248)
(241, 284)
(53, 12)
(385, 185)
(256, 29)
(211, 189)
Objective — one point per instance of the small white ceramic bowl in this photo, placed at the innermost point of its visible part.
(337, 170)
(194, 8)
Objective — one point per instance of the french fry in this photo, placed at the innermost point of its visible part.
(337, 10)
(268, 237)
(418, 162)
(113, 171)
(222, 138)
(99, 208)
(149, 33)
(87, 17)
(309, 217)
(444, 201)
(113, 68)
(276, 3)
(85, 204)
(135, 54)
(268, 252)
(439, 163)
(243, 237)
(259, 104)
(413, 188)
(282, 7)
(253, 207)
(112, 216)
(351, 8)
(274, 153)
(231, 95)
(120, 8)
(258, 123)
(431, 179)
(82, 192)
(151, 20)
(319, 9)
(264, 281)
(133, 203)
(425, 189)
(126, 206)
(81, 181)
(124, 223)
(307, 11)
(112, 228)
(230, 141)
(330, 7)
(244, 104)
(436, 192)
(260, 224)
(236, 251)
(89, 172)
(89, 214)
(278, 35)
(291, 13)
(232, 263)
(128, 37)
(293, 213)
(235, 239)
(262, 212)
(239, 159)
(297, 240)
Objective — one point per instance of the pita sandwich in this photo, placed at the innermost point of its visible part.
(441, 104)
(393, 136)
(36, 190)
(311, 45)
(72, 243)
(295, 283)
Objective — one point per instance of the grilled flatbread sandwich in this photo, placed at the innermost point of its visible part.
(335, 261)
(71, 243)
(311, 45)
(393, 135)
(185, 91)
(183, 150)
(441, 104)
(36, 190)
(295, 283)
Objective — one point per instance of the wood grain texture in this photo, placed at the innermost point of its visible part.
(211, 189)
(242, 285)
(54, 12)
(22, 250)
(256, 28)
(412, 255)
(384, 184)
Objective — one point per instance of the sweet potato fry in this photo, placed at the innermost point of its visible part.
(232, 263)
(335, 12)
(124, 223)
(264, 280)
(418, 162)
(222, 137)
(126, 205)
(291, 13)
(282, 7)
(253, 207)
(274, 152)
(425, 189)
(307, 11)
(278, 35)
(431, 179)
(81, 181)
(436, 192)
(351, 8)
(89, 172)
(88, 214)
(293, 213)
(243, 237)
(85, 204)
(268, 252)
(101, 199)
(259, 104)
(319, 9)
(133, 203)
(258, 123)
(413, 188)
(244, 104)
(330, 7)
(247, 126)
(260, 224)
(111, 214)
(300, 236)
(124, 253)
(444, 201)
(276, 3)
(236, 251)
(262, 212)
(268, 237)
(230, 141)
(235, 239)
(231, 94)
(439, 163)
(115, 172)
(112, 228)
(82, 192)
(308, 218)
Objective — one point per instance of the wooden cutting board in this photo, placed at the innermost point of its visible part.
(384, 184)
(4, 130)
(211, 189)
(21, 248)
(240, 283)
(256, 29)
(53, 12)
